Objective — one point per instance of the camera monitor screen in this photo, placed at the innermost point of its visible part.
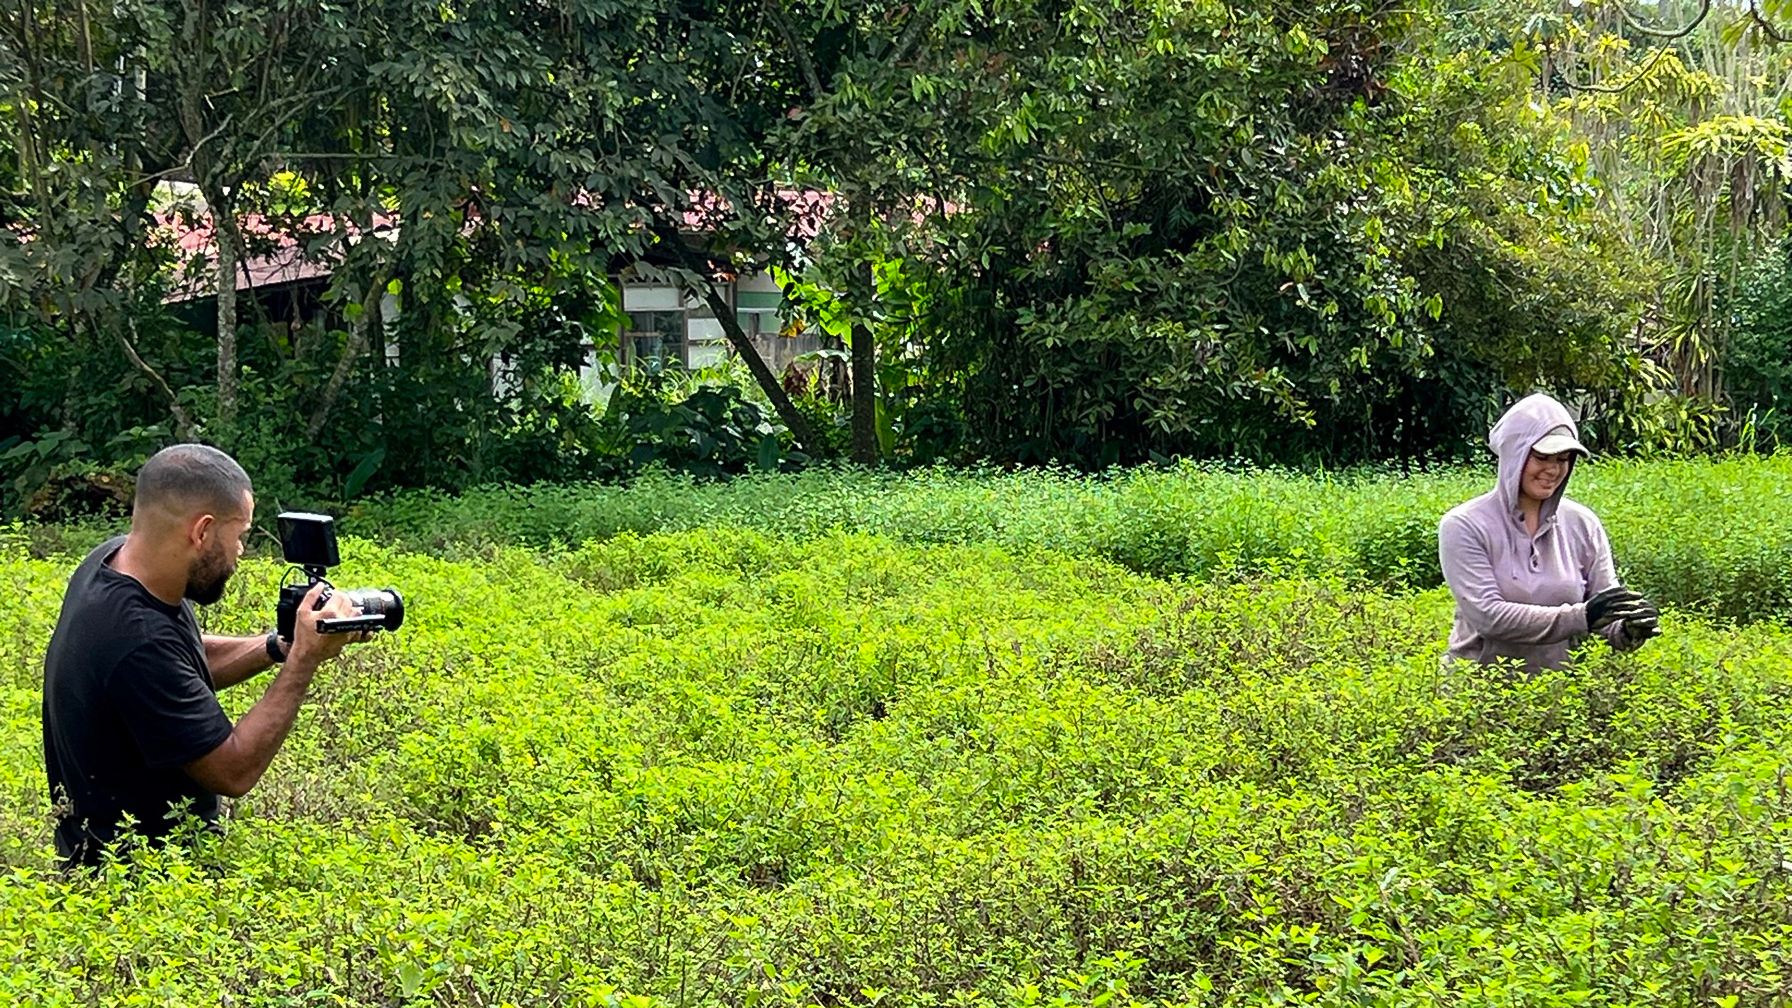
(308, 539)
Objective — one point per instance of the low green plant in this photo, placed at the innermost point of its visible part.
(712, 431)
(727, 767)
(1706, 535)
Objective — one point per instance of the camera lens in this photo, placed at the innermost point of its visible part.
(384, 602)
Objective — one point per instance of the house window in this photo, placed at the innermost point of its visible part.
(656, 336)
(757, 298)
(656, 328)
(671, 326)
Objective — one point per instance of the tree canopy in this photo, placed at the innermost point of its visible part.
(1081, 230)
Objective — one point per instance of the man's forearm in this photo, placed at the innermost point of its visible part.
(234, 659)
(236, 765)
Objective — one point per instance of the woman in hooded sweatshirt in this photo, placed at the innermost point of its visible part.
(1532, 570)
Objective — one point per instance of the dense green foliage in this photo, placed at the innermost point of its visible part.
(1087, 232)
(726, 768)
(1346, 274)
(1324, 233)
(1758, 360)
(507, 159)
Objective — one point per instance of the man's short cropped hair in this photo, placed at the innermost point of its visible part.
(191, 478)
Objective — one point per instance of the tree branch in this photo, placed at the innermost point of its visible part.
(340, 156)
(1761, 22)
(798, 52)
(911, 34)
(359, 330)
(183, 424)
(1663, 33)
(192, 123)
(737, 338)
(1627, 85)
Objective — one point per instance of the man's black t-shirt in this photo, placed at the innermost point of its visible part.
(128, 701)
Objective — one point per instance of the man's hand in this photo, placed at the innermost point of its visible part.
(308, 645)
(239, 761)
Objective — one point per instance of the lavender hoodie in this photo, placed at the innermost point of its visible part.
(1520, 595)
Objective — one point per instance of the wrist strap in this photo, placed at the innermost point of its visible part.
(276, 650)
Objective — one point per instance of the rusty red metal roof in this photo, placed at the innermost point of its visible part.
(304, 249)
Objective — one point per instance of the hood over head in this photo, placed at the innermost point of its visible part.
(1529, 421)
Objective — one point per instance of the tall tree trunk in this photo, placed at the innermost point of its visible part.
(864, 396)
(229, 243)
(227, 371)
(215, 185)
(34, 151)
(864, 350)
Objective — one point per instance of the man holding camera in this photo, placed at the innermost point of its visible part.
(132, 724)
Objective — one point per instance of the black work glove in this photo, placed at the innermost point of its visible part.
(1614, 604)
(1640, 628)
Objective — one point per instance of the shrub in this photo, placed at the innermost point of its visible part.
(1757, 364)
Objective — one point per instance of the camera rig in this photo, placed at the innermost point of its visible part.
(308, 542)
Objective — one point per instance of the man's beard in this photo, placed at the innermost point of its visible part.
(205, 581)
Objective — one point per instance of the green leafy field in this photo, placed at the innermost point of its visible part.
(1714, 536)
(725, 767)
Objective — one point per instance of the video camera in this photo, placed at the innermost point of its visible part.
(309, 544)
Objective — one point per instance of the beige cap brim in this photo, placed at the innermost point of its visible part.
(1555, 444)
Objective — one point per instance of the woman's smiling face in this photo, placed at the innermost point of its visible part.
(1543, 474)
